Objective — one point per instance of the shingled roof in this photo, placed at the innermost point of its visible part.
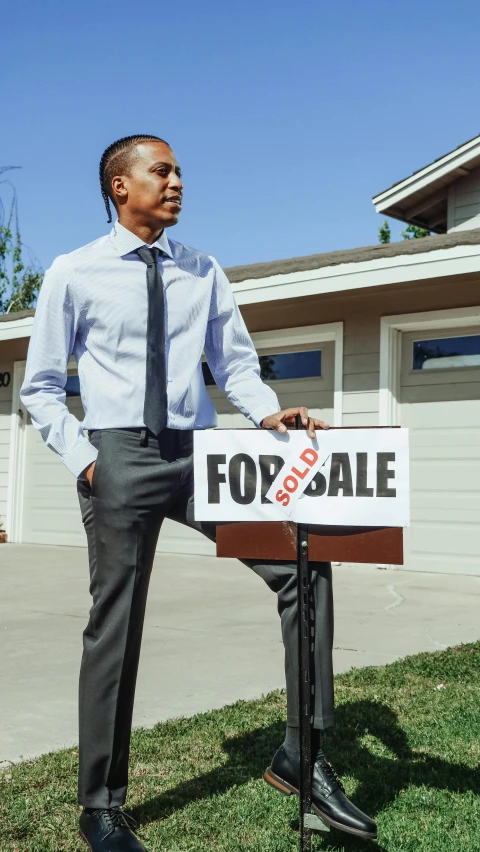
(17, 315)
(331, 258)
(356, 255)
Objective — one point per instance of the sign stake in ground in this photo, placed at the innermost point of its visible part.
(306, 685)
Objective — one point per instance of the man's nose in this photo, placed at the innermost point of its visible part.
(176, 182)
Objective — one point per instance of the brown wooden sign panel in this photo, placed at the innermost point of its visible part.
(278, 540)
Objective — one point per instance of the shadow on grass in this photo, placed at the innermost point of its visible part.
(379, 779)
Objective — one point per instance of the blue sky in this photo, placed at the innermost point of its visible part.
(285, 117)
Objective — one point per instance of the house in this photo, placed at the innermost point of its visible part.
(382, 335)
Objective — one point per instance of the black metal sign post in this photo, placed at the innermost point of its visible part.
(306, 685)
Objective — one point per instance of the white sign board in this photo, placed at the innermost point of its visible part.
(345, 477)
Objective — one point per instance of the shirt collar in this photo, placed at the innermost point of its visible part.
(125, 242)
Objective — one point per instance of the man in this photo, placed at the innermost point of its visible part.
(137, 310)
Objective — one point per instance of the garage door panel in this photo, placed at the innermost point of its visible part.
(446, 517)
(176, 538)
(442, 393)
(468, 375)
(446, 451)
(457, 498)
(424, 441)
(435, 417)
(43, 474)
(438, 563)
(444, 475)
(436, 538)
(51, 512)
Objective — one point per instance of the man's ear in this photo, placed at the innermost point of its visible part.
(119, 190)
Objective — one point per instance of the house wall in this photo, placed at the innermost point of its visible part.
(10, 351)
(361, 312)
(464, 202)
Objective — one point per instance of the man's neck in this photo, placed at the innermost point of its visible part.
(143, 232)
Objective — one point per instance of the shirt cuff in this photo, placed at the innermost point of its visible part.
(259, 414)
(82, 455)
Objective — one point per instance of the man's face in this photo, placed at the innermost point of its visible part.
(152, 191)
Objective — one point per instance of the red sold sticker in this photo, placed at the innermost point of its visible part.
(297, 472)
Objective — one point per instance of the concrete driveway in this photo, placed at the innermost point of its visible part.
(212, 635)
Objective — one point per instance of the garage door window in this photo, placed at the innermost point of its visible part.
(445, 353)
(285, 365)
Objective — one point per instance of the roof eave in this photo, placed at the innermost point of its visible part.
(453, 164)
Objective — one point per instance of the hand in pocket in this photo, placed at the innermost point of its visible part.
(89, 473)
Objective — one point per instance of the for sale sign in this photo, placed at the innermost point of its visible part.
(352, 477)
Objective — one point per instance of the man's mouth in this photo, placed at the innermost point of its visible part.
(176, 200)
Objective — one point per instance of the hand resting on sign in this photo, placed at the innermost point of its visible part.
(284, 419)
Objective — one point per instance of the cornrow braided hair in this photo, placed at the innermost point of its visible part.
(116, 159)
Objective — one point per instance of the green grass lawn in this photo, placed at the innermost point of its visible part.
(408, 754)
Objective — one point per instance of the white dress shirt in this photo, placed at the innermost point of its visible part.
(94, 302)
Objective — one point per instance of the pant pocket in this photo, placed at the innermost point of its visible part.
(96, 441)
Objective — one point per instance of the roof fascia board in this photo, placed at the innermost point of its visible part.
(422, 179)
(12, 329)
(355, 276)
(441, 263)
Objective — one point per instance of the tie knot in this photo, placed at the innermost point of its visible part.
(149, 255)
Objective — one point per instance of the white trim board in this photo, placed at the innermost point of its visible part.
(424, 178)
(390, 350)
(16, 470)
(11, 329)
(380, 272)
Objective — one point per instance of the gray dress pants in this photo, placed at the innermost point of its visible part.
(134, 488)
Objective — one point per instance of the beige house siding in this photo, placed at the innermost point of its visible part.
(10, 351)
(464, 202)
(361, 313)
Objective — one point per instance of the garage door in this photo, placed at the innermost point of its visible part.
(440, 403)
(51, 512)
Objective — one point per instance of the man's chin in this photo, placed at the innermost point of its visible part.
(168, 221)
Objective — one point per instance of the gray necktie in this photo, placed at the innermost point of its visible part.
(155, 412)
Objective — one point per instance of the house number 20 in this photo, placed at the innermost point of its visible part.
(4, 380)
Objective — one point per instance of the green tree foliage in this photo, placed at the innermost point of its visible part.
(384, 233)
(412, 232)
(20, 273)
(267, 367)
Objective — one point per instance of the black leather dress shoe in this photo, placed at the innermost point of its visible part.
(329, 801)
(108, 830)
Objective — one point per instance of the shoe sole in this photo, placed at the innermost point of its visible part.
(287, 790)
(82, 836)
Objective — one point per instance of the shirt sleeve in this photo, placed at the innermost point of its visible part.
(43, 389)
(231, 355)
